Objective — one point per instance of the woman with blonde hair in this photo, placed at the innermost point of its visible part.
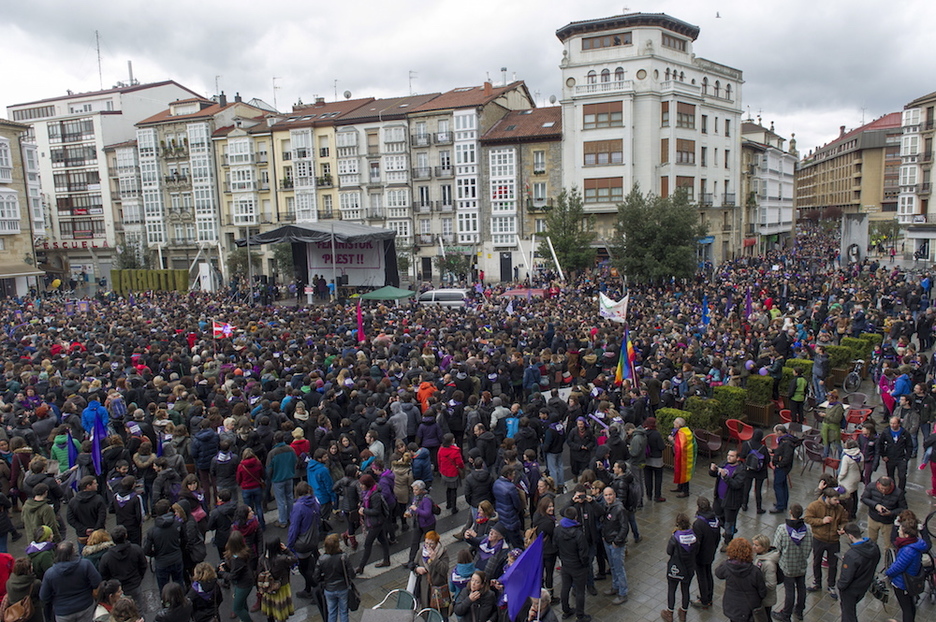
(98, 543)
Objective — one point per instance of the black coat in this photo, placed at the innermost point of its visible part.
(895, 501)
(745, 589)
(482, 610)
(87, 510)
(734, 496)
(182, 613)
(706, 528)
(331, 570)
(894, 450)
(205, 602)
(858, 565)
(479, 487)
(572, 546)
(124, 562)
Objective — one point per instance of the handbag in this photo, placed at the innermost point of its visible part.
(20, 611)
(354, 596)
(266, 584)
(199, 513)
(440, 598)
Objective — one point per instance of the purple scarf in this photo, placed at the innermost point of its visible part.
(685, 538)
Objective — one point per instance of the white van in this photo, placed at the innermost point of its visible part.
(444, 297)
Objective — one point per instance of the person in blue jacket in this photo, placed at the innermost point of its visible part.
(909, 561)
(320, 480)
(509, 506)
(93, 408)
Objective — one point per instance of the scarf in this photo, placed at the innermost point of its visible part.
(796, 535)
(722, 488)
(685, 538)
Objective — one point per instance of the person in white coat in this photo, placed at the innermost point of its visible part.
(849, 476)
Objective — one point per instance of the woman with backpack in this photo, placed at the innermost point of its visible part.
(273, 581)
(756, 461)
(682, 548)
(374, 512)
(906, 572)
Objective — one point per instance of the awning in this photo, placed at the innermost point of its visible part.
(12, 270)
(750, 241)
(344, 232)
(388, 293)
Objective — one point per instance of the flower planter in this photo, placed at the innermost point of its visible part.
(759, 415)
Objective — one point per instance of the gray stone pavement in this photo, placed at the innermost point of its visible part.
(645, 564)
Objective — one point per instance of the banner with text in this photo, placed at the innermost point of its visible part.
(362, 262)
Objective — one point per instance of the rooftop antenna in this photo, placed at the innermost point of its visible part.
(862, 115)
(275, 88)
(336, 89)
(97, 45)
(504, 75)
(412, 74)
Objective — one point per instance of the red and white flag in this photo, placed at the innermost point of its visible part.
(220, 330)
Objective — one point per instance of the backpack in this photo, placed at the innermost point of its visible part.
(511, 424)
(634, 495)
(755, 460)
(914, 584)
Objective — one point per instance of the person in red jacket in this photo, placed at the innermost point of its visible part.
(250, 479)
(451, 466)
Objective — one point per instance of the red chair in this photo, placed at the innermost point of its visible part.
(770, 441)
(857, 416)
(832, 463)
(739, 431)
(786, 415)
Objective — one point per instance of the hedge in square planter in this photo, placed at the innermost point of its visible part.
(730, 403)
(665, 418)
(758, 408)
(840, 359)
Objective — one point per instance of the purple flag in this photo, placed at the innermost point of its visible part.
(97, 443)
(748, 305)
(525, 578)
(72, 450)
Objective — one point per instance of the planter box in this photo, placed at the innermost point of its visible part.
(669, 458)
(760, 416)
(837, 376)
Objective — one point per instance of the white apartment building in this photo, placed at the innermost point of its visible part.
(639, 107)
(70, 133)
(768, 187)
(916, 167)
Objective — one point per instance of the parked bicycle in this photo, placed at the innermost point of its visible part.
(853, 379)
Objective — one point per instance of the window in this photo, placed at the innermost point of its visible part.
(402, 227)
(425, 226)
(685, 151)
(727, 158)
(685, 115)
(350, 204)
(703, 156)
(539, 191)
(704, 87)
(606, 41)
(911, 116)
(909, 145)
(686, 183)
(394, 134)
(604, 190)
(664, 150)
(468, 222)
(704, 122)
(502, 163)
(467, 188)
(503, 193)
(908, 175)
(727, 127)
(447, 226)
(728, 92)
(605, 75)
(603, 152)
(9, 211)
(465, 154)
(608, 114)
(503, 230)
(539, 162)
(619, 74)
(591, 77)
(664, 114)
(674, 43)
(398, 198)
(446, 194)
(907, 205)
(539, 225)
(717, 88)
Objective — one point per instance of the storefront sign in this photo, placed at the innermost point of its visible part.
(70, 244)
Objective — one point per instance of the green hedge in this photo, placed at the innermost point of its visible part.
(874, 340)
(785, 377)
(804, 365)
(730, 401)
(858, 346)
(666, 416)
(759, 390)
(705, 412)
(840, 357)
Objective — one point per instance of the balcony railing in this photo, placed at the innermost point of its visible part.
(422, 172)
(373, 179)
(324, 182)
(605, 87)
(707, 199)
(170, 153)
(183, 241)
(176, 180)
(446, 207)
(448, 238)
(421, 140)
(926, 157)
(326, 214)
(728, 199)
(426, 239)
(287, 217)
(444, 171)
(539, 169)
(376, 214)
(286, 184)
(443, 138)
(539, 205)
(925, 188)
(422, 207)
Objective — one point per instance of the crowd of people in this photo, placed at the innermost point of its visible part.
(135, 408)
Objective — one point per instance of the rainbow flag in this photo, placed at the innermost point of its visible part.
(685, 451)
(625, 366)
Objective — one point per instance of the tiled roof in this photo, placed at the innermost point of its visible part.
(310, 115)
(922, 100)
(892, 119)
(126, 143)
(467, 97)
(536, 123)
(204, 113)
(384, 109)
(122, 89)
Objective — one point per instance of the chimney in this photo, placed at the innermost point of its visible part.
(319, 102)
(488, 89)
(841, 131)
(504, 75)
(222, 99)
(237, 97)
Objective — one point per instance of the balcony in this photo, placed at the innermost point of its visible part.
(374, 180)
(183, 241)
(302, 154)
(426, 239)
(240, 186)
(286, 184)
(442, 172)
(446, 207)
(323, 152)
(287, 217)
(263, 186)
(324, 181)
(325, 214)
(539, 169)
(925, 188)
(443, 138)
(423, 172)
(376, 213)
(420, 140)
(605, 87)
(728, 199)
(926, 157)
(707, 199)
(539, 205)
(174, 153)
(262, 157)
(422, 207)
(448, 238)
(176, 181)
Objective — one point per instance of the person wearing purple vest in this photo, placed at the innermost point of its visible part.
(729, 493)
(794, 541)
(682, 549)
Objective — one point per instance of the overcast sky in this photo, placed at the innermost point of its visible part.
(809, 65)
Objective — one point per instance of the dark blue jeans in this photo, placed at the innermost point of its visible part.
(169, 573)
(781, 488)
(254, 499)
